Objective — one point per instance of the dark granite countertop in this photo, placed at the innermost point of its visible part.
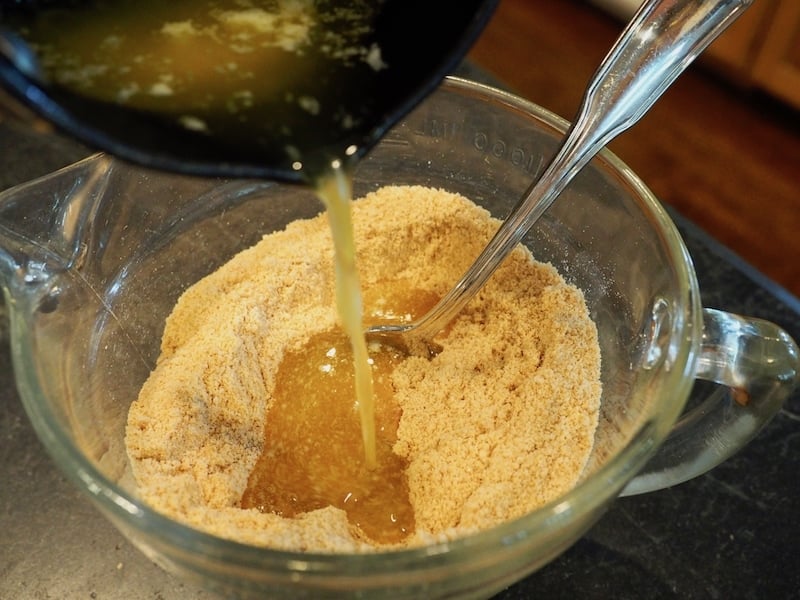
(731, 533)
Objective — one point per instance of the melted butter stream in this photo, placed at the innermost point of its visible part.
(333, 419)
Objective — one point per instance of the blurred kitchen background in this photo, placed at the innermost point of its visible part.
(721, 147)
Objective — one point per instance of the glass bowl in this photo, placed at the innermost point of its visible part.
(95, 255)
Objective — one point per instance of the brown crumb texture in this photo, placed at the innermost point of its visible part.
(498, 423)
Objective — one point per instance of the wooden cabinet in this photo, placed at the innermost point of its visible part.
(762, 49)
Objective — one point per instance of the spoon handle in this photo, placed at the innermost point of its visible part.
(661, 40)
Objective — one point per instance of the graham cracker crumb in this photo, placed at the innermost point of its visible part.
(498, 423)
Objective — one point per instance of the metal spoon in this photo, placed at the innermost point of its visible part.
(661, 40)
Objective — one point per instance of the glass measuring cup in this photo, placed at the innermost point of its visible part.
(90, 270)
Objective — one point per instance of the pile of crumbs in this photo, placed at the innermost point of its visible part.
(498, 423)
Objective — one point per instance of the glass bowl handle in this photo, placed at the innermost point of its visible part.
(758, 363)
